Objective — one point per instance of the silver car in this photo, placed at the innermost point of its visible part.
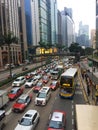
(28, 121)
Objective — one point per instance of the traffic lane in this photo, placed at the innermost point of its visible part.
(4, 74)
(79, 96)
(43, 110)
(66, 106)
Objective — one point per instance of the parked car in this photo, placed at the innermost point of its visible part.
(54, 85)
(7, 66)
(38, 87)
(22, 102)
(57, 120)
(24, 68)
(15, 92)
(19, 81)
(29, 120)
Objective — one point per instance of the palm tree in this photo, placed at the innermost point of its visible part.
(8, 39)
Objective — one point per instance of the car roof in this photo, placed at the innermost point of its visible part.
(23, 96)
(44, 89)
(54, 81)
(29, 114)
(57, 116)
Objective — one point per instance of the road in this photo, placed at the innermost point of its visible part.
(4, 74)
(55, 102)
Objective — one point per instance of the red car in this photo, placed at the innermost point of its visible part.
(15, 92)
(45, 79)
(28, 76)
(37, 87)
(54, 85)
(57, 120)
(22, 102)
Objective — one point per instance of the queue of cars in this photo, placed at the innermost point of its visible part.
(37, 81)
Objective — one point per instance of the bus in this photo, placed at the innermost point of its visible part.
(86, 117)
(68, 82)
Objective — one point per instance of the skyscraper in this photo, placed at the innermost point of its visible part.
(68, 30)
(38, 22)
(9, 22)
(96, 24)
(54, 22)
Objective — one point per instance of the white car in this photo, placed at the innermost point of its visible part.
(38, 76)
(43, 96)
(29, 120)
(29, 83)
(19, 81)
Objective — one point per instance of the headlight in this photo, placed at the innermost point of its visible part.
(18, 84)
(43, 102)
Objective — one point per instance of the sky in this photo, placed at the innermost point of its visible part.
(83, 10)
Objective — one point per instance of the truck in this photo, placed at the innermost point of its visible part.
(3, 98)
(2, 119)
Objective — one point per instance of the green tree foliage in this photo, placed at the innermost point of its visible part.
(7, 40)
(88, 51)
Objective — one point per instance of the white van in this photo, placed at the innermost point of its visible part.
(43, 96)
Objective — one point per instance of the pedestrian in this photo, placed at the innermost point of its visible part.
(88, 90)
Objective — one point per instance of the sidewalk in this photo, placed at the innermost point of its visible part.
(91, 83)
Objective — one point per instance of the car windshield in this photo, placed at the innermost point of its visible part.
(25, 122)
(13, 91)
(41, 95)
(55, 124)
(38, 84)
(17, 80)
(20, 101)
(53, 83)
(30, 80)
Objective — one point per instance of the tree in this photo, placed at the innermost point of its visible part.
(8, 39)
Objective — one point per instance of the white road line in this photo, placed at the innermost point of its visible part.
(72, 107)
(72, 121)
(72, 113)
(9, 111)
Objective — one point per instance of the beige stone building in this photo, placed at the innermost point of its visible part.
(93, 38)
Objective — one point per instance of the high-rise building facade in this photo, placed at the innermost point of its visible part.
(54, 22)
(96, 24)
(68, 29)
(93, 39)
(38, 23)
(83, 35)
(59, 28)
(9, 22)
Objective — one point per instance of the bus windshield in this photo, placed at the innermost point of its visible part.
(66, 81)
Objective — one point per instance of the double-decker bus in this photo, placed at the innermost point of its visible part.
(68, 82)
(86, 117)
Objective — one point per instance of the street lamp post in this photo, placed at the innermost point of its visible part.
(92, 74)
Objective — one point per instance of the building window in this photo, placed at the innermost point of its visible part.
(2, 48)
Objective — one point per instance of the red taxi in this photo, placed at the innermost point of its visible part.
(15, 92)
(57, 120)
(22, 102)
(54, 85)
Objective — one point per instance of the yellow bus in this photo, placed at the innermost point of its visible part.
(86, 117)
(68, 83)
